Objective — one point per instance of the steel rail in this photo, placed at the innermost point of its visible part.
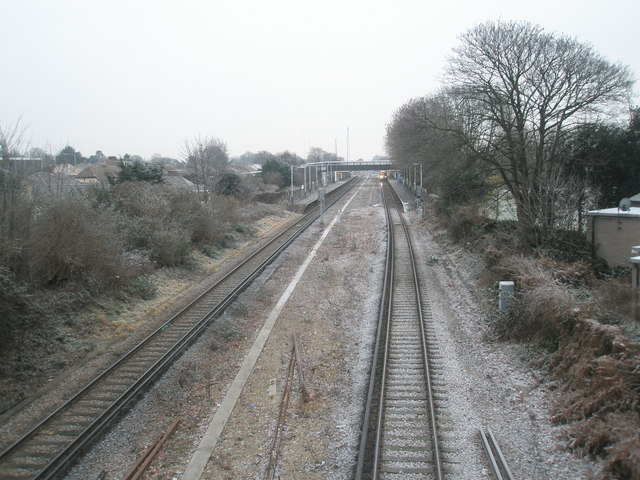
(61, 459)
(374, 388)
(385, 352)
(425, 353)
(371, 455)
(496, 460)
(274, 453)
(145, 460)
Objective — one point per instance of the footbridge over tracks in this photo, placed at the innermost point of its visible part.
(311, 175)
(357, 166)
(307, 179)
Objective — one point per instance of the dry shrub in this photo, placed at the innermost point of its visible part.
(612, 434)
(170, 245)
(270, 197)
(463, 222)
(225, 208)
(541, 314)
(530, 272)
(166, 222)
(72, 242)
(614, 299)
(600, 394)
(598, 361)
(207, 228)
(550, 297)
(17, 308)
(204, 224)
(210, 224)
(526, 272)
(624, 456)
(597, 365)
(256, 211)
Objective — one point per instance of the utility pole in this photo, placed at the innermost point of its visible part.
(321, 197)
(347, 144)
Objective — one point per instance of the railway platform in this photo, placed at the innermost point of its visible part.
(408, 200)
(303, 204)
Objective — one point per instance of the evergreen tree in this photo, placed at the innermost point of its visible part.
(138, 172)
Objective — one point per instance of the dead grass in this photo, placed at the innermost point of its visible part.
(540, 315)
(533, 271)
(599, 370)
(614, 299)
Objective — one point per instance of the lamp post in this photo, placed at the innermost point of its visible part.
(415, 175)
(292, 191)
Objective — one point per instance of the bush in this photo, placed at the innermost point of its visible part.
(170, 246)
(230, 184)
(260, 210)
(144, 287)
(567, 246)
(72, 242)
(167, 221)
(157, 219)
(463, 222)
(599, 394)
(614, 301)
(16, 307)
(540, 315)
(206, 228)
(225, 209)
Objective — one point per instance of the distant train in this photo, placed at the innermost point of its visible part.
(383, 175)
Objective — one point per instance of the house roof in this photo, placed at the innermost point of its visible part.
(178, 181)
(100, 172)
(53, 183)
(634, 212)
(68, 169)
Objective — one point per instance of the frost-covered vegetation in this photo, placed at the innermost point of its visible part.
(99, 248)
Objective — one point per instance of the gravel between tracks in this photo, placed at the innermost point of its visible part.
(333, 311)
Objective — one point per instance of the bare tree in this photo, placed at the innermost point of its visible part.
(207, 159)
(11, 136)
(13, 209)
(421, 132)
(520, 91)
(317, 154)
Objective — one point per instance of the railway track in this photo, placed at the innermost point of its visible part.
(401, 437)
(51, 446)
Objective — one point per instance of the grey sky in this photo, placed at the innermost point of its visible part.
(141, 77)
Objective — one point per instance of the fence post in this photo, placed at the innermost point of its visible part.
(507, 290)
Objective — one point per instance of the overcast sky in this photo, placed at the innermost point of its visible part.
(141, 77)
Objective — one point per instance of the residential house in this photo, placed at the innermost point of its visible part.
(614, 231)
(47, 184)
(99, 172)
(176, 180)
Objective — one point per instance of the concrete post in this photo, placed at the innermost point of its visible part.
(507, 290)
(635, 283)
(635, 271)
